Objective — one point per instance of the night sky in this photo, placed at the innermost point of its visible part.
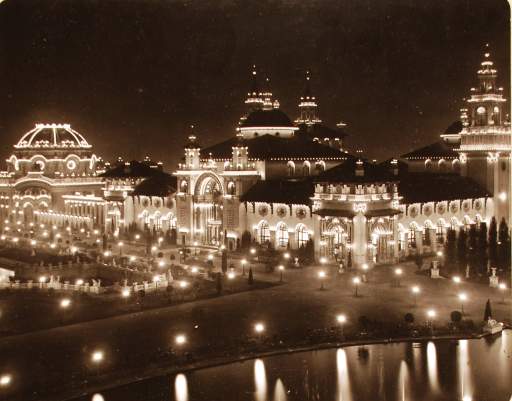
(132, 76)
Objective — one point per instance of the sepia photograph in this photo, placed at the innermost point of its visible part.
(255, 200)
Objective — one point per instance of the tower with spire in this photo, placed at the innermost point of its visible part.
(308, 108)
(485, 139)
(255, 97)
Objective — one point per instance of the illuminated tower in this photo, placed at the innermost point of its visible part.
(254, 100)
(307, 105)
(192, 152)
(485, 140)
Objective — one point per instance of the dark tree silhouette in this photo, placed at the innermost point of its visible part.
(488, 311)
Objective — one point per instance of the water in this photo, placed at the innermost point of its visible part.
(465, 370)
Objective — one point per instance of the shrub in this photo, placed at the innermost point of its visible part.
(409, 318)
(456, 317)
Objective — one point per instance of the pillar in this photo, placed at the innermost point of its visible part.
(359, 246)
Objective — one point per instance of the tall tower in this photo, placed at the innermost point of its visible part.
(254, 100)
(192, 152)
(307, 105)
(485, 140)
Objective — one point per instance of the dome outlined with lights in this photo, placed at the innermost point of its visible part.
(60, 136)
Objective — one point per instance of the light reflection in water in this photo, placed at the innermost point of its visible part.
(432, 366)
(343, 384)
(260, 380)
(181, 388)
(279, 391)
(402, 377)
(466, 387)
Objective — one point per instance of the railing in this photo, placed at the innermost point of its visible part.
(57, 286)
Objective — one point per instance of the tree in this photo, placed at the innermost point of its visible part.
(503, 235)
(451, 238)
(418, 260)
(472, 239)
(456, 317)
(250, 279)
(409, 318)
(488, 311)
(224, 261)
(503, 245)
(462, 246)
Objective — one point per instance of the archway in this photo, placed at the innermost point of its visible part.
(208, 197)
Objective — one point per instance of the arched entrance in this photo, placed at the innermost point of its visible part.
(382, 241)
(208, 199)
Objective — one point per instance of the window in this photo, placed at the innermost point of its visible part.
(306, 169)
(302, 235)
(282, 235)
(442, 166)
(412, 238)
(291, 168)
(264, 232)
(440, 232)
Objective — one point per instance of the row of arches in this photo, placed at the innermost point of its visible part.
(157, 220)
(282, 234)
(305, 169)
(443, 165)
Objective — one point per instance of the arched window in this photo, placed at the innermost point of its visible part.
(481, 116)
(456, 166)
(184, 185)
(442, 166)
(320, 167)
(412, 236)
(263, 232)
(157, 221)
(302, 235)
(291, 168)
(282, 235)
(231, 188)
(306, 169)
(428, 165)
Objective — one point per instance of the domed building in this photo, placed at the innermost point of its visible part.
(52, 177)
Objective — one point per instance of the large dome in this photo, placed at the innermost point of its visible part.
(60, 136)
(267, 118)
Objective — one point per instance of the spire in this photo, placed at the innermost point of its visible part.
(307, 105)
(486, 103)
(267, 95)
(192, 142)
(254, 98)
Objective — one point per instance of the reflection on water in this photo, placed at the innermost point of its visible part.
(181, 388)
(465, 370)
(465, 384)
(343, 379)
(402, 377)
(260, 380)
(432, 367)
(279, 391)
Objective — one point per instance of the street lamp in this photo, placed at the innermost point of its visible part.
(365, 268)
(341, 319)
(356, 281)
(243, 262)
(456, 279)
(120, 245)
(503, 288)
(125, 293)
(321, 277)
(97, 356)
(286, 255)
(183, 284)
(253, 251)
(259, 328)
(398, 273)
(180, 339)
(65, 303)
(431, 315)
(462, 297)
(415, 291)
(5, 380)
(281, 270)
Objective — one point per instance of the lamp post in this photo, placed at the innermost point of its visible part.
(431, 315)
(5, 380)
(365, 268)
(281, 270)
(398, 274)
(356, 281)
(456, 279)
(321, 277)
(341, 319)
(180, 339)
(231, 277)
(243, 263)
(415, 291)
(120, 245)
(503, 288)
(195, 248)
(462, 298)
(259, 328)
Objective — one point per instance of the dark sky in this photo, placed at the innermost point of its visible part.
(131, 76)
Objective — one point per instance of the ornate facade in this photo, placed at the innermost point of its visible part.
(285, 183)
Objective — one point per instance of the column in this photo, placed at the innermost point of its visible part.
(359, 246)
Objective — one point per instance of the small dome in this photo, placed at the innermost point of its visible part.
(267, 118)
(52, 136)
